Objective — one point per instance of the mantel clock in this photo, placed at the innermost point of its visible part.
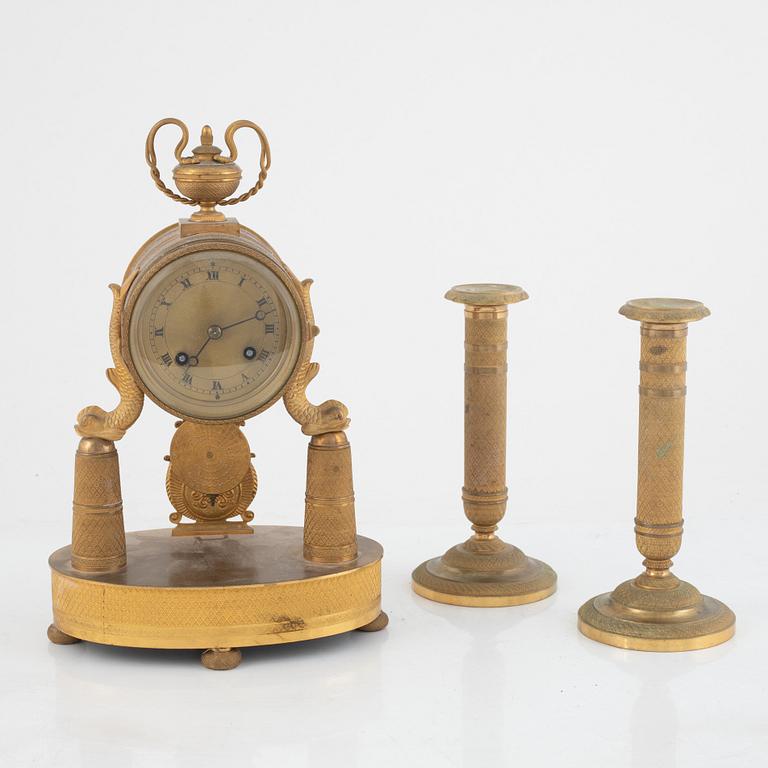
(211, 325)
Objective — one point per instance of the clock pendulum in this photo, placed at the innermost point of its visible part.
(485, 571)
(656, 611)
(212, 326)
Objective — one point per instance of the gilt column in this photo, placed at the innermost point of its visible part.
(98, 533)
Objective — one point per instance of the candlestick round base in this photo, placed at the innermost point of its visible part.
(484, 574)
(669, 615)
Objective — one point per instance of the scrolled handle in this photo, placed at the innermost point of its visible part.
(151, 157)
(265, 159)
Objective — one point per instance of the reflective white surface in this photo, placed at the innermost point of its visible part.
(440, 686)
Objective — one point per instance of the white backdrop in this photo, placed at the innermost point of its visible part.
(591, 152)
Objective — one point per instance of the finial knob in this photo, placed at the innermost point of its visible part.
(206, 177)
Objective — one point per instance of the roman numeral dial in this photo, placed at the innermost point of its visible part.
(215, 335)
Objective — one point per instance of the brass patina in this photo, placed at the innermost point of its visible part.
(216, 591)
(485, 571)
(207, 177)
(213, 327)
(210, 479)
(656, 611)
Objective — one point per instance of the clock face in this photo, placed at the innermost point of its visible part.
(214, 335)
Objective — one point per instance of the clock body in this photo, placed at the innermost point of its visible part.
(213, 325)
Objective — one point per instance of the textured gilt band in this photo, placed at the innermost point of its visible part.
(485, 415)
(329, 517)
(661, 434)
(257, 590)
(98, 534)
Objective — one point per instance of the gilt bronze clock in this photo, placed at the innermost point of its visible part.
(212, 326)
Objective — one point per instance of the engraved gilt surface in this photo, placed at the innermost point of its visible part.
(210, 477)
(329, 416)
(212, 592)
(94, 421)
(484, 570)
(656, 611)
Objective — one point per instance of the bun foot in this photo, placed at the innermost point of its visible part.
(55, 635)
(376, 625)
(221, 658)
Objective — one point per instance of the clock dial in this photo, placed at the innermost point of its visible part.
(214, 335)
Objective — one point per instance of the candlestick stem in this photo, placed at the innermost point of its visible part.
(484, 570)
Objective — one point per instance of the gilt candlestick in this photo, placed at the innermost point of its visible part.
(656, 611)
(485, 571)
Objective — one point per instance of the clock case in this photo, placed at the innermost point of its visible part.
(203, 584)
(187, 238)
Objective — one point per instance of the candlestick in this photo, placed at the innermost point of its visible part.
(485, 571)
(656, 611)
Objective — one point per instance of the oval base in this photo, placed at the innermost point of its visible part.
(216, 592)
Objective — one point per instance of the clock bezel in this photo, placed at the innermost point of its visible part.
(200, 243)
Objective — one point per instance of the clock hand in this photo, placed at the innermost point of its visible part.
(195, 359)
(260, 315)
(215, 332)
(205, 344)
(239, 322)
